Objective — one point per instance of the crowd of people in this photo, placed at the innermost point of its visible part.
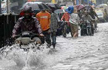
(45, 23)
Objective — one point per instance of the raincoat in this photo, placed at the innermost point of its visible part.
(27, 25)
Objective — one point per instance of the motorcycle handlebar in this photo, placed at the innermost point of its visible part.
(31, 34)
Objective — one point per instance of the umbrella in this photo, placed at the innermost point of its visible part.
(79, 7)
(34, 6)
(58, 11)
(63, 4)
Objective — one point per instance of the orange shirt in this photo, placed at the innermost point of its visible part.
(44, 19)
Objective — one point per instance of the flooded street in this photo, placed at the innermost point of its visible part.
(83, 53)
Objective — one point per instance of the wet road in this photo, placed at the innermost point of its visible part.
(83, 53)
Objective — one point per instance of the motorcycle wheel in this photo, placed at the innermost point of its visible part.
(89, 31)
(64, 31)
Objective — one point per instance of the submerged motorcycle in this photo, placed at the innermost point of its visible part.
(26, 38)
(89, 27)
(25, 45)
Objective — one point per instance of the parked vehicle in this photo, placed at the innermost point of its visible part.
(101, 15)
(104, 10)
(102, 5)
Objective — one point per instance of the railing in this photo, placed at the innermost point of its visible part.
(6, 25)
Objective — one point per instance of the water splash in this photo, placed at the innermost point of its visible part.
(25, 60)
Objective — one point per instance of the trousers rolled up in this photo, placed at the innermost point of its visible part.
(46, 37)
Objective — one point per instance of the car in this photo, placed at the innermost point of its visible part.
(100, 14)
(102, 5)
(104, 9)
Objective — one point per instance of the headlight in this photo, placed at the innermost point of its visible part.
(25, 40)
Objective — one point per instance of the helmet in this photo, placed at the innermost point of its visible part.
(27, 11)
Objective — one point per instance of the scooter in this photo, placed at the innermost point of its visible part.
(89, 28)
(26, 38)
(64, 28)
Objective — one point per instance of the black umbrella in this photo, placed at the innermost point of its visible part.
(58, 11)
